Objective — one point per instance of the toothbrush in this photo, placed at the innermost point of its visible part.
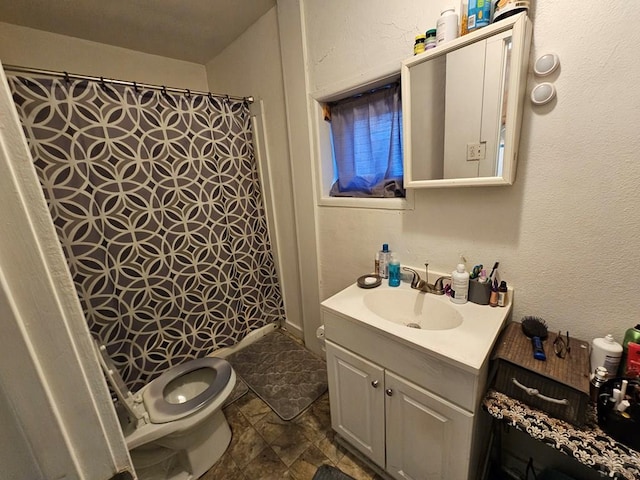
(493, 270)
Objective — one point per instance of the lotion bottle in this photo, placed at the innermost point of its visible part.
(459, 284)
(606, 352)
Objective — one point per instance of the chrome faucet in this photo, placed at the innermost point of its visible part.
(423, 285)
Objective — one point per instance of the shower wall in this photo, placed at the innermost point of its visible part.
(156, 200)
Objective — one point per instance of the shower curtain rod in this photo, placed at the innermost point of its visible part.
(162, 88)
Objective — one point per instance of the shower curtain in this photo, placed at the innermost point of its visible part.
(156, 200)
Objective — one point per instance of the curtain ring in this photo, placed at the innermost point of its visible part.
(135, 87)
(210, 95)
(102, 84)
(187, 93)
(67, 79)
(227, 99)
(164, 90)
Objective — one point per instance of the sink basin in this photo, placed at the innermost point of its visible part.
(413, 309)
(458, 334)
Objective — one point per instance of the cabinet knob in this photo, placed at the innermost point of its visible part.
(389, 392)
(374, 384)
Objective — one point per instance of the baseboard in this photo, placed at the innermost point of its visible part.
(252, 337)
(293, 329)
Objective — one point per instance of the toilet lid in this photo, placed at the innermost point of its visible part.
(127, 400)
(162, 409)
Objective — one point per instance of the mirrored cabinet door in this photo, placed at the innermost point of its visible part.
(462, 108)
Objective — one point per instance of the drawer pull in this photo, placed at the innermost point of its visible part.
(375, 384)
(534, 392)
(389, 392)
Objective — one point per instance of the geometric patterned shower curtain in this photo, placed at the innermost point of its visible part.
(156, 200)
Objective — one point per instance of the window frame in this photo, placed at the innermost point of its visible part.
(324, 158)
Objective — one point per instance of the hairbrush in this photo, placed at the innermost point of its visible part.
(536, 329)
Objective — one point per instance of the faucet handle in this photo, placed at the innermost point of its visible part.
(415, 280)
(426, 272)
(439, 285)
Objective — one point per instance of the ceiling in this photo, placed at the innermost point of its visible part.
(191, 30)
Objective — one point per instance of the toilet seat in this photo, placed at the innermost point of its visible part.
(149, 404)
(162, 411)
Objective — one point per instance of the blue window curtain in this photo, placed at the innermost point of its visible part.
(366, 138)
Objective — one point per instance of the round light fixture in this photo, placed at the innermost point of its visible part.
(546, 64)
(543, 93)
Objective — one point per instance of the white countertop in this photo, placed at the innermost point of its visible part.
(466, 346)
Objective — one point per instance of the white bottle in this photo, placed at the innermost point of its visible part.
(606, 352)
(459, 284)
(383, 261)
(447, 26)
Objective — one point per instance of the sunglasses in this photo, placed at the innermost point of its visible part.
(561, 346)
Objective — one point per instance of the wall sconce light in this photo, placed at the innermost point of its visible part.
(543, 93)
(546, 64)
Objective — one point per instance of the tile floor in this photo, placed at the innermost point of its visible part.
(265, 447)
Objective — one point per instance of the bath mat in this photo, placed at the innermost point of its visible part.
(327, 472)
(238, 391)
(284, 374)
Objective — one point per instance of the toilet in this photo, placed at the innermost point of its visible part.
(174, 426)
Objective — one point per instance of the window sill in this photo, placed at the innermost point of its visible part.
(406, 203)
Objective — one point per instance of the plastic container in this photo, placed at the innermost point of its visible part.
(394, 271)
(479, 292)
(478, 14)
(419, 45)
(631, 335)
(431, 39)
(606, 352)
(632, 363)
(384, 256)
(505, 8)
(447, 26)
(464, 15)
(459, 284)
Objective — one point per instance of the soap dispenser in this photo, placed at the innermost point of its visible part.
(460, 284)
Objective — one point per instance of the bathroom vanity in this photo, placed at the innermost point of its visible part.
(409, 398)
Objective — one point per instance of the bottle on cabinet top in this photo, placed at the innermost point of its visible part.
(447, 26)
(478, 14)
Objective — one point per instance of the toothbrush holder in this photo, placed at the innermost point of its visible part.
(479, 292)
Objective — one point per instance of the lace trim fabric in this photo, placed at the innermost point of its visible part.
(589, 445)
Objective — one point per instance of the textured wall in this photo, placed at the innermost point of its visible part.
(28, 47)
(566, 233)
(252, 66)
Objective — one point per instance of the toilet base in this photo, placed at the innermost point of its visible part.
(185, 455)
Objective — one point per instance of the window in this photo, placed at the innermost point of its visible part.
(366, 142)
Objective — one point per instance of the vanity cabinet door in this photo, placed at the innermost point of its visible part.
(356, 395)
(427, 437)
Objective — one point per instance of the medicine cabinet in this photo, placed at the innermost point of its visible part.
(462, 107)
